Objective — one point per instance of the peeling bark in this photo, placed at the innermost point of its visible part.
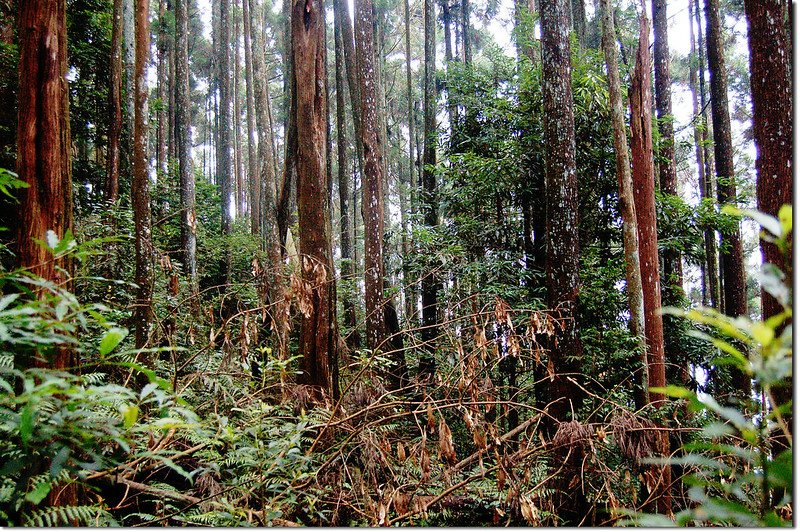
(644, 198)
(317, 330)
(630, 237)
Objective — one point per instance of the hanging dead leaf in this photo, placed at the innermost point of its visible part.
(446, 447)
(501, 479)
(529, 512)
(431, 419)
(401, 452)
(425, 465)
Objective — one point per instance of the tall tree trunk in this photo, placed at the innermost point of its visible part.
(129, 38)
(238, 152)
(562, 259)
(43, 146)
(140, 190)
(644, 198)
(372, 191)
(317, 332)
(771, 86)
(633, 274)
(342, 15)
(161, 115)
(562, 204)
(183, 119)
(699, 150)
(343, 173)
(710, 187)
(111, 190)
(465, 32)
(410, 288)
(43, 162)
(253, 181)
(668, 177)
(267, 188)
(732, 263)
(224, 161)
(430, 282)
(579, 21)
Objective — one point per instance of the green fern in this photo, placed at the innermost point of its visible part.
(68, 515)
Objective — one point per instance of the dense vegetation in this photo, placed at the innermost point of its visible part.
(273, 265)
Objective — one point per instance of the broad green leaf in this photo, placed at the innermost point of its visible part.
(130, 413)
(764, 220)
(785, 218)
(762, 334)
(39, 493)
(677, 392)
(111, 339)
(26, 423)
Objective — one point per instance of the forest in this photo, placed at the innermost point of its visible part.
(396, 263)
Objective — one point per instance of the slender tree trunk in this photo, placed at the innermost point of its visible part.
(644, 198)
(224, 162)
(129, 38)
(699, 128)
(633, 274)
(465, 11)
(140, 191)
(410, 287)
(430, 282)
(161, 115)
(317, 333)
(111, 190)
(343, 173)
(373, 199)
(579, 21)
(268, 186)
(732, 263)
(238, 152)
(253, 180)
(340, 11)
(183, 119)
(710, 187)
(668, 177)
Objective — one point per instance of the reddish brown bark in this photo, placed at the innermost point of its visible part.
(630, 237)
(317, 332)
(644, 199)
(771, 85)
(43, 146)
(140, 188)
